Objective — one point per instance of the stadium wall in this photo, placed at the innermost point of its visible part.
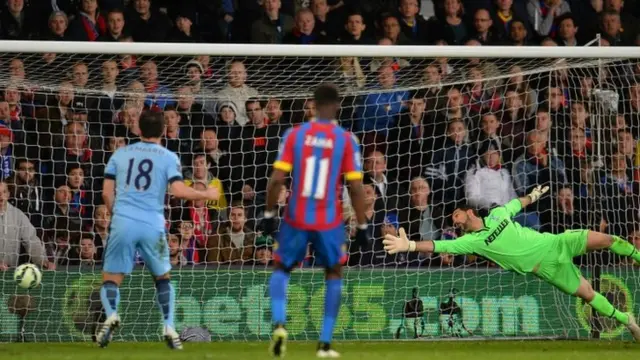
(234, 305)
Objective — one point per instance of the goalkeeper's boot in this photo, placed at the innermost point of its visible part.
(633, 327)
(279, 342)
(172, 338)
(326, 352)
(106, 332)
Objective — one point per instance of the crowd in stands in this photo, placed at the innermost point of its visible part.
(462, 137)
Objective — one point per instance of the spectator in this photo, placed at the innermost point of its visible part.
(391, 30)
(172, 139)
(478, 97)
(18, 231)
(58, 212)
(483, 30)
(203, 95)
(192, 252)
(304, 31)
(115, 26)
(309, 109)
(272, 26)
(58, 246)
(184, 31)
(7, 156)
(81, 203)
(575, 153)
(58, 24)
(619, 196)
(86, 252)
(421, 219)
(193, 117)
(16, 23)
(503, 14)
(236, 91)
(176, 257)
(157, 93)
(276, 117)
(219, 160)
(327, 23)
(611, 26)
(518, 34)
(354, 31)
(414, 27)
(263, 253)
(89, 25)
(101, 223)
(10, 117)
(388, 190)
(543, 15)
(628, 20)
(455, 109)
(449, 164)
(235, 242)
(26, 193)
(567, 30)
(451, 28)
(204, 219)
(76, 150)
(488, 184)
(146, 24)
(489, 134)
(200, 174)
(380, 109)
(565, 215)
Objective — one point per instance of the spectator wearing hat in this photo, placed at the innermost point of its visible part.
(89, 24)
(226, 125)
(272, 26)
(184, 31)
(147, 24)
(202, 94)
(58, 25)
(487, 183)
(115, 26)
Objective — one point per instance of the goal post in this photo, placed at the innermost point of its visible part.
(439, 126)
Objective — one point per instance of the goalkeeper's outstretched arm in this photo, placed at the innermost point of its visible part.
(533, 196)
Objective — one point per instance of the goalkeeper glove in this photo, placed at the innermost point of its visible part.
(537, 193)
(268, 223)
(395, 244)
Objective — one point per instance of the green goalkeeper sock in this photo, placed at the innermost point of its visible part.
(622, 247)
(604, 308)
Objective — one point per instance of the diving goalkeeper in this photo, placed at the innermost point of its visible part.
(523, 250)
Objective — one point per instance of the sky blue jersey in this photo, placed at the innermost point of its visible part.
(142, 172)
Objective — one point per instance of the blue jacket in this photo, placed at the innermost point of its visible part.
(448, 169)
(527, 173)
(379, 110)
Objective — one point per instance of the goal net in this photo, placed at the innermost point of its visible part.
(438, 126)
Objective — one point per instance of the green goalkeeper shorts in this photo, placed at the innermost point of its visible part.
(557, 267)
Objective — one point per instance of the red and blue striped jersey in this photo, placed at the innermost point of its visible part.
(320, 155)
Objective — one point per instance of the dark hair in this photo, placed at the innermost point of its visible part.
(151, 124)
(565, 16)
(252, 100)
(467, 207)
(87, 235)
(326, 94)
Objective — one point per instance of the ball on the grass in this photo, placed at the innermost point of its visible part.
(27, 276)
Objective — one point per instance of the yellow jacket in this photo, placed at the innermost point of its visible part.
(220, 204)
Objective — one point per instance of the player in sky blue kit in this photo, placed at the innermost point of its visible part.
(320, 156)
(135, 185)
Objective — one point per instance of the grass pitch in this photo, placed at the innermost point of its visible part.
(429, 350)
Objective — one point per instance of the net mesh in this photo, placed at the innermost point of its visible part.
(435, 133)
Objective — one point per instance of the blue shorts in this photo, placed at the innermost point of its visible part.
(125, 237)
(329, 245)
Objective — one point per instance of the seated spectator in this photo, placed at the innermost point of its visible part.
(174, 139)
(25, 191)
(272, 26)
(354, 31)
(18, 232)
(226, 125)
(351, 78)
(203, 95)
(575, 153)
(447, 169)
(435, 95)
(396, 64)
(48, 129)
(147, 24)
(611, 26)
(379, 109)
(237, 91)
(567, 30)
(451, 28)
(421, 219)
(391, 30)
(193, 117)
(523, 88)
(234, 242)
(626, 145)
(327, 22)
(81, 203)
(483, 30)
(219, 160)
(488, 184)
(100, 229)
(304, 32)
(59, 246)
(16, 23)
(478, 97)
(58, 211)
(543, 15)
(86, 252)
(157, 93)
(374, 212)
(115, 27)
(387, 189)
(76, 150)
(518, 34)
(490, 133)
(176, 258)
(204, 220)
(192, 251)
(184, 31)
(58, 24)
(263, 251)
(455, 109)
(414, 27)
(565, 215)
(619, 196)
(89, 25)
(200, 173)
(7, 153)
(503, 14)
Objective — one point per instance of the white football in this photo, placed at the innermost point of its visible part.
(27, 276)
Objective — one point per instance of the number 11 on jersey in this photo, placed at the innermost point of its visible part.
(310, 175)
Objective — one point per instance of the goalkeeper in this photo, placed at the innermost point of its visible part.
(523, 250)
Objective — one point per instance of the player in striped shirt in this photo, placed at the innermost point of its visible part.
(320, 156)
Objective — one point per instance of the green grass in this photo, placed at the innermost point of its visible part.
(423, 350)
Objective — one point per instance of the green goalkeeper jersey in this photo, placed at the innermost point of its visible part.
(502, 241)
